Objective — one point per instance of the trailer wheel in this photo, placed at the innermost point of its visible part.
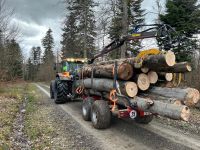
(100, 114)
(144, 120)
(52, 87)
(86, 108)
(61, 92)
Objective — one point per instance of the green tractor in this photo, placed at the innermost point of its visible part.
(61, 89)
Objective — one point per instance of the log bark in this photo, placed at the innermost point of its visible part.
(127, 88)
(164, 109)
(162, 99)
(160, 60)
(188, 96)
(165, 76)
(153, 77)
(178, 112)
(142, 81)
(124, 60)
(197, 105)
(124, 71)
(150, 62)
(177, 68)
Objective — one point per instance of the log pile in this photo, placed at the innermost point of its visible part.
(137, 79)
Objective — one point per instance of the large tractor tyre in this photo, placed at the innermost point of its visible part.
(52, 89)
(144, 120)
(100, 114)
(86, 108)
(61, 92)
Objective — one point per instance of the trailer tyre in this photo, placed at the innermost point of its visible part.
(52, 87)
(100, 114)
(144, 120)
(61, 92)
(86, 108)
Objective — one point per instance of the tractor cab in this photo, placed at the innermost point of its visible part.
(70, 68)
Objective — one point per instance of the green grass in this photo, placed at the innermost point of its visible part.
(37, 126)
(11, 97)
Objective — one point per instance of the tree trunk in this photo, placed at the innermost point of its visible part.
(162, 99)
(153, 77)
(153, 62)
(106, 85)
(124, 71)
(164, 109)
(188, 96)
(160, 60)
(165, 76)
(142, 81)
(177, 68)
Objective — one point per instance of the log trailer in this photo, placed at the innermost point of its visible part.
(113, 92)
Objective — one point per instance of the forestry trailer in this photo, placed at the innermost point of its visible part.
(123, 87)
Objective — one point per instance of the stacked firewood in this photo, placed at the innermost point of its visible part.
(138, 78)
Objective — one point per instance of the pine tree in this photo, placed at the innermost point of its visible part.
(136, 13)
(70, 42)
(115, 30)
(79, 29)
(14, 60)
(35, 63)
(29, 70)
(36, 55)
(86, 27)
(135, 17)
(46, 71)
(48, 45)
(184, 16)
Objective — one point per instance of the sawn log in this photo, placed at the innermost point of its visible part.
(188, 96)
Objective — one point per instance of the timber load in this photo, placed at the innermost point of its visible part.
(137, 80)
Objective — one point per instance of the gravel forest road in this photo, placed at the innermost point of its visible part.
(126, 134)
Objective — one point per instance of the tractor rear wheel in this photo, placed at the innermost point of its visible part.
(86, 108)
(61, 92)
(100, 114)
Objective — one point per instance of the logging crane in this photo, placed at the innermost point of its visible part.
(113, 90)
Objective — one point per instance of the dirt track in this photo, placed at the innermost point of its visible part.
(126, 134)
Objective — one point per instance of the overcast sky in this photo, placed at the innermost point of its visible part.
(34, 17)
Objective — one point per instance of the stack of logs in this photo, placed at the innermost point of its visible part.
(139, 80)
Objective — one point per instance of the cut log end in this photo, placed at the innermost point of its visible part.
(125, 71)
(153, 77)
(169, 77)
(185, 114)
(192, 97)
(189, 68)
(145, 69)
(131, 89)
(177, 102)
(143, 82)
(170, 58)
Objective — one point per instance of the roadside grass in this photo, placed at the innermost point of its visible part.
(38, 127)
(11, 97)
